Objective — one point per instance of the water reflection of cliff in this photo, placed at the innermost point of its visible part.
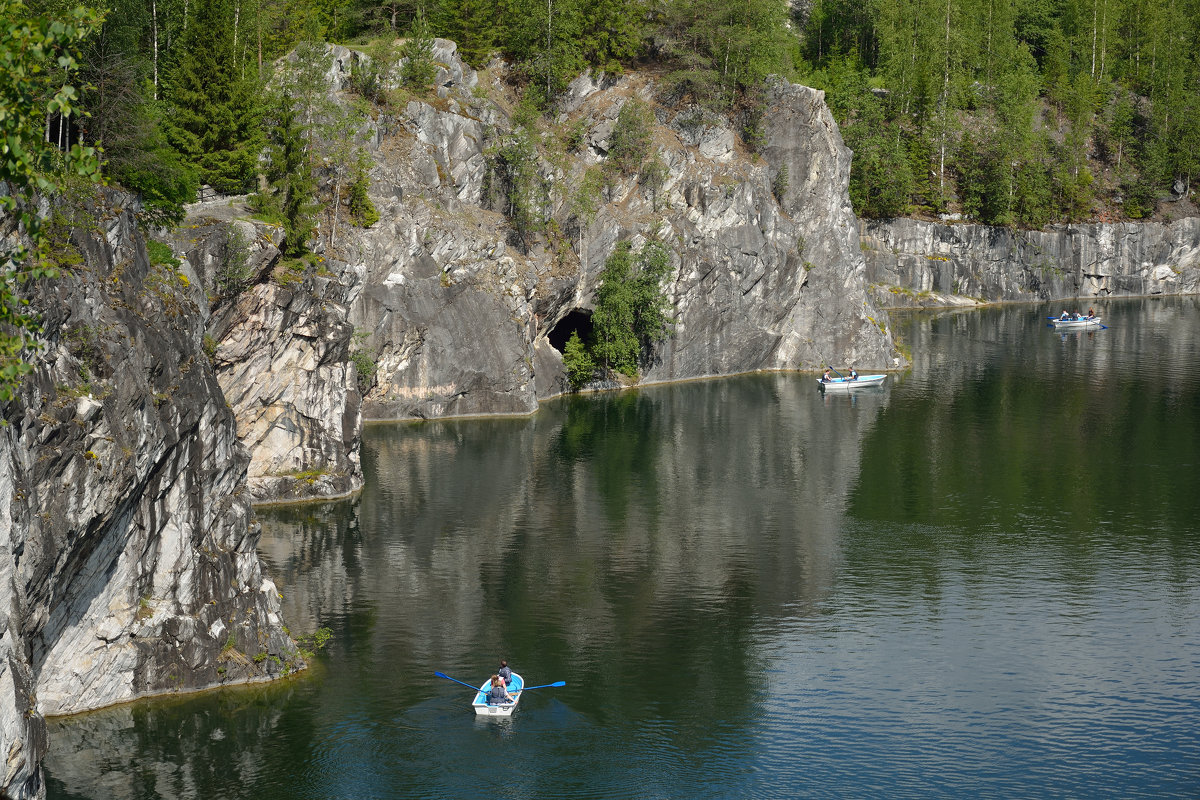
(615, 534)
(1009, 428)
(196, 747)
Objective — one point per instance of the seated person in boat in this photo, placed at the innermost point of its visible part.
(1091, 314)
(853, 374)
(498, 694)
(505, 672)
(826, 378)
(1065, 315)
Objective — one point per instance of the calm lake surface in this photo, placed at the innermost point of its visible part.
(980, 580)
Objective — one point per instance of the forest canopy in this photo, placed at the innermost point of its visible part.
(1009, 112)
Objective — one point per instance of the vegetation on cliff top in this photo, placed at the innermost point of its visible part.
(1011, 112)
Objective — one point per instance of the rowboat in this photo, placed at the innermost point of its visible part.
(483, 709)
(846, 384)
(1082, 322)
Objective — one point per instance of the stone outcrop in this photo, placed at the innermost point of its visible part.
(911, 262)
(281, 352)
(128, 563)
(461, 314)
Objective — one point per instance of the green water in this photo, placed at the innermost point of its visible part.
(982, 579)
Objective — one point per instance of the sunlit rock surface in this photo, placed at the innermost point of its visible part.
(911, 262)
(129, 564)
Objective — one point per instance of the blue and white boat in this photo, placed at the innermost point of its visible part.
(485, 709)
(1075, 322)
(846, 384)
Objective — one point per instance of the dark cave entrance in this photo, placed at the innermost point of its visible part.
(576, 321)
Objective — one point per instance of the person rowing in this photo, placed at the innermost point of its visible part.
(827, 377)
(498, 695)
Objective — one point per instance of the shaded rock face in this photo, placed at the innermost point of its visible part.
(922, 263)
(281, 351)
(128, 564)
(459, 316)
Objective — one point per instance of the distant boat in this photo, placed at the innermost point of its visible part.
(846, 384)
(1075, 322)
(483, 708)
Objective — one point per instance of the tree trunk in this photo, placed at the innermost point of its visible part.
(154, 41)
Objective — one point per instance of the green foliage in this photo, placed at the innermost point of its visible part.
(291, 193)
(969, 90)
(654, 177)
(513, 177)
(310, 644)
(723, 48)
(362, 211)
(629, 143)
(363, 359)
(632, 309)
(234, 272)
(779, 184)
(418, 71)
(214, 119)
(574, 135)
(160, 253)
(38, 57)
(578, 362)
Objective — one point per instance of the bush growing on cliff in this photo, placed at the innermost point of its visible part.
(578, 361)
(630, 141)
(632, 307)
(362, 211)
(234, 272)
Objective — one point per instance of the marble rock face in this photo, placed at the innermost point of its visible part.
(911, 262)
(128, 563)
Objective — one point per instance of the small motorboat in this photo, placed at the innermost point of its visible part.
(846, 384)
(484, 709)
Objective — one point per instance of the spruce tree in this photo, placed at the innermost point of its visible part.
(214, 122)
(289, 170)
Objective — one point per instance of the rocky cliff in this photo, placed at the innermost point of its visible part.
(460, 316)
(767, 273)
(128, 564)
(279, 341)
(910, 262)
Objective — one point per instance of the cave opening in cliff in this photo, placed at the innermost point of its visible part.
(578, 321)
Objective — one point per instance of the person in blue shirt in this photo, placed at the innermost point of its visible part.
(853, 374)
(505, 672)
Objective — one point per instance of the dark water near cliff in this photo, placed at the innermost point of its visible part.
(982, 579)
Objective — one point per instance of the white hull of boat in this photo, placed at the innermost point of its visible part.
(846, 384)
(482, 709)
(1076, 323)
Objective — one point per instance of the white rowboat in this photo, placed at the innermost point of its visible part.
(483, 709)
(846, 384)
(1083, 322)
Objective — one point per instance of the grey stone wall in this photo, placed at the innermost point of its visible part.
(910, 262)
